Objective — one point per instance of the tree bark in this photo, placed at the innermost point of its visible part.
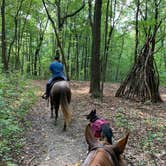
(108, 36)
(86, 60)
(136, 28)
(104, 59)
(41, 36)
(119, 58)
(77, 56)
(95, 60)
(4, 57)
(15, 31)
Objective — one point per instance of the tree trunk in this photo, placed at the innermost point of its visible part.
(108, 39)
(21, 43)
(119, 58)
(29, 52)
(53, 44)
(95, 60)
(86, 60)
(39, 44)
(136, 29)
(15, 37)
(68, 50)
(77, 56)
(104, 59)
(4, 57)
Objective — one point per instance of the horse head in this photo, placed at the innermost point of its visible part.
(102, 153)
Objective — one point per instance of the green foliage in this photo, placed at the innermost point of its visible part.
(76, 30)
(122, 62)
(16, 96)
(160, 61)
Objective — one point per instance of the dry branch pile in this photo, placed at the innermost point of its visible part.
(142, 83)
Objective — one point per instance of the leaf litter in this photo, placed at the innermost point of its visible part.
(47, 145)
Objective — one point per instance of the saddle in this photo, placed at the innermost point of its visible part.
(57, 79)
(49, 86)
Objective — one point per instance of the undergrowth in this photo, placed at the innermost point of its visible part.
(16, 97)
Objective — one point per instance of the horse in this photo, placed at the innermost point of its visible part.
(60, 95)
(102, 153)
(100, 127)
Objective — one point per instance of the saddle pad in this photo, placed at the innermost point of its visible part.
(96, 126)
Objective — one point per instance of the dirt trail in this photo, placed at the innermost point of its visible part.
(48, 145)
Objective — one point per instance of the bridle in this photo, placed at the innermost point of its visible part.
(108, 150)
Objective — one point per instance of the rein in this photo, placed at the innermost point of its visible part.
(109, 151)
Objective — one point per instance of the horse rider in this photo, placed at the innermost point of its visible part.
(56, 68)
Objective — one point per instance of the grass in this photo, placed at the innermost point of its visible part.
(16, 97)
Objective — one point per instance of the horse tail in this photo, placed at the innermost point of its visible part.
(106, 131)
(64, 102)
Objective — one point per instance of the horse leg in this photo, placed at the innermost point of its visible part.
(64, 126)
(56, 113)
(52, 108)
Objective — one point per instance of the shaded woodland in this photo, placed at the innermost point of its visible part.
(99, 41)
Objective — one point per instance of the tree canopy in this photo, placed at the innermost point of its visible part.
(34, 31)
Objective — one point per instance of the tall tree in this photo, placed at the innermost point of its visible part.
(4, 57)
(108, 35)
(16, 35)
(39, 44)
(95, 60)
(136, 27)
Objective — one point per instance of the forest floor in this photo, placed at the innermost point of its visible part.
(48, 145)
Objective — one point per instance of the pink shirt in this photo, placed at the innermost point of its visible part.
(96, 127)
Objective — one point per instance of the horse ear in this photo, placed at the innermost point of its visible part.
(94, 111)
(119, 147)
(90, 139)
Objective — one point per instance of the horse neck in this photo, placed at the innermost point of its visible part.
(104, 156)
(99, 157)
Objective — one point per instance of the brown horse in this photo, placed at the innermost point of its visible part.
(102, 153)
(60, 95)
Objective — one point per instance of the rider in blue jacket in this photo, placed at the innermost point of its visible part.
(56, 68)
